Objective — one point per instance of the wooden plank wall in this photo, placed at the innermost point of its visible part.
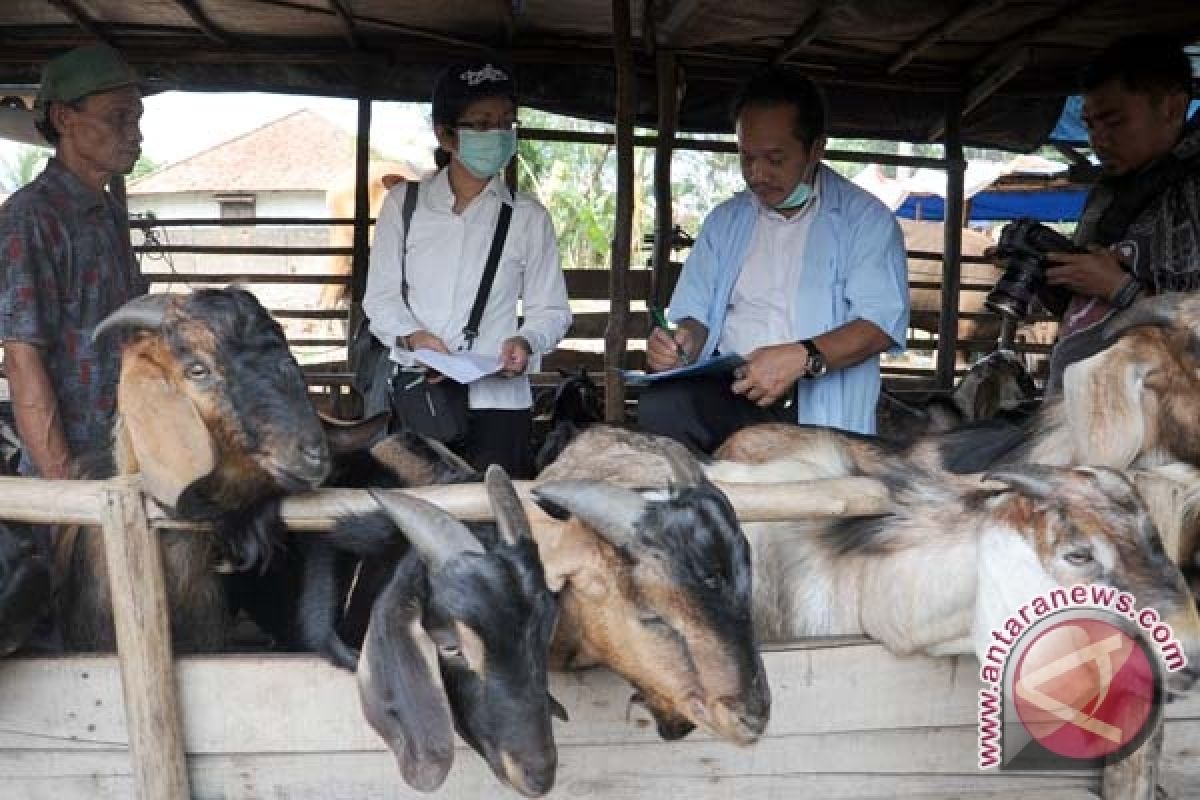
(848, 720)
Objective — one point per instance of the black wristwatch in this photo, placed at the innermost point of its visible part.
(816, 366)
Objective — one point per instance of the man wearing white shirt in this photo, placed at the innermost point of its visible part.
(804, 275)
(453, 226)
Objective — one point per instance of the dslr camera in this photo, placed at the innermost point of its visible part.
(1023, 245)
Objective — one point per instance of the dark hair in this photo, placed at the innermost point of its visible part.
(774, 86)
(1144, 64)
(46, 128)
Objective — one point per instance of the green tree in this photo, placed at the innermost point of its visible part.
(24, 165)
(144, 166)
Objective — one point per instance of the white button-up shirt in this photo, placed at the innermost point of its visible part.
(760, 307)
(444, 262)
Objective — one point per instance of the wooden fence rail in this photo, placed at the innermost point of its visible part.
(154, 726)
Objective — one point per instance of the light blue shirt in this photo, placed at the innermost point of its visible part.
(853, 267)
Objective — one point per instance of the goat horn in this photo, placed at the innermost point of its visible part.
(1032, 480)
(449, 457)
(510, 514)
(685, 469)
(435, 535)
(143, 313)
(1161, 311)
(612, 511)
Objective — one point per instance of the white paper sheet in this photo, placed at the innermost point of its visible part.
(463, 367)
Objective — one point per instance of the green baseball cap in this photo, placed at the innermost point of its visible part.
(80, 72)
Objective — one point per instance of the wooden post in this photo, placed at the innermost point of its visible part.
(952, 245)
(664, 222)
(622, 245)
(1135, 778)
(139, 598)
(362, 199)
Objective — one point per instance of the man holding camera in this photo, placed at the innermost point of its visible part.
(1141, 223)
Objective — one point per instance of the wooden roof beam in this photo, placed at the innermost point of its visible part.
(805, 32)
(77, 15)
(966, 14)
(989, 86)
(202, 21)
(349, 29)
(681, 11)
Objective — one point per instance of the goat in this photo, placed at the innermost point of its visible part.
(213, 412)
(996, 386)
(947, 566)
(459, 634)
(25, 588)
(574, 404)
(656, 587)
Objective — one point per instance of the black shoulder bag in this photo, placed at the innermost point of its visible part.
(366, 356)
(440, 410)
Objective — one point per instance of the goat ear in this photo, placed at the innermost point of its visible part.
(1107, 420)
(1161, 311)
(1031, 480)
(354, 437)
(168, 438)
(400, 683)
(568, 554)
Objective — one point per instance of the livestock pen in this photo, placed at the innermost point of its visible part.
(848, 719)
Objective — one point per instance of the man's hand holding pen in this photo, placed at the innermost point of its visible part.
(670, 348)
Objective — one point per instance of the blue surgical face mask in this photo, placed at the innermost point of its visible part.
(485, 153)
(798, 198)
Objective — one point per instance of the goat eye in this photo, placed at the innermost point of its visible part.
(650, 619)
(1079, 558)
(712, 581)
(449, 650)
(196, 371)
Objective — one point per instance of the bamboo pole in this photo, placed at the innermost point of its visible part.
(615, 334)
(139, 599)
(771, 502)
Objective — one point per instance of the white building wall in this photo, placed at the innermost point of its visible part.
(204, 205)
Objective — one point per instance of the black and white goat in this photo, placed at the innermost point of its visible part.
(25, 588)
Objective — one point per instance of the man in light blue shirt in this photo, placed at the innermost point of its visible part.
(804, 274)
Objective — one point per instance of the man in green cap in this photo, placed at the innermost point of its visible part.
(67, 262)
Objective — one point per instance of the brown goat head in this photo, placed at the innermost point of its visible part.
(1088, 525)
(213, 407)
(658, 588)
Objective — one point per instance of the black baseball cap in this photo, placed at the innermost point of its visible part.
(461, 84)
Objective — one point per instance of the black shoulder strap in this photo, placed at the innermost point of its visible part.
(471, 331)
(1138, 192)
(406, 214)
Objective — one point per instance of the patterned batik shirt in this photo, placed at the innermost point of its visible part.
(66, 265)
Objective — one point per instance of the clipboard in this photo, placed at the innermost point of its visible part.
(721, 365)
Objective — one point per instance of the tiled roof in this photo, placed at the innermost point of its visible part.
(302, 151)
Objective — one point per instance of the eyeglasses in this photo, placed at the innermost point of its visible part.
(483, 125)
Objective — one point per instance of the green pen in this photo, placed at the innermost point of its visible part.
(660, 319)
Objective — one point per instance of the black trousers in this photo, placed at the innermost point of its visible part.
(703, 412)
(499, 436)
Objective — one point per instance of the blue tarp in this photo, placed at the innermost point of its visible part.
(1050, 205)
